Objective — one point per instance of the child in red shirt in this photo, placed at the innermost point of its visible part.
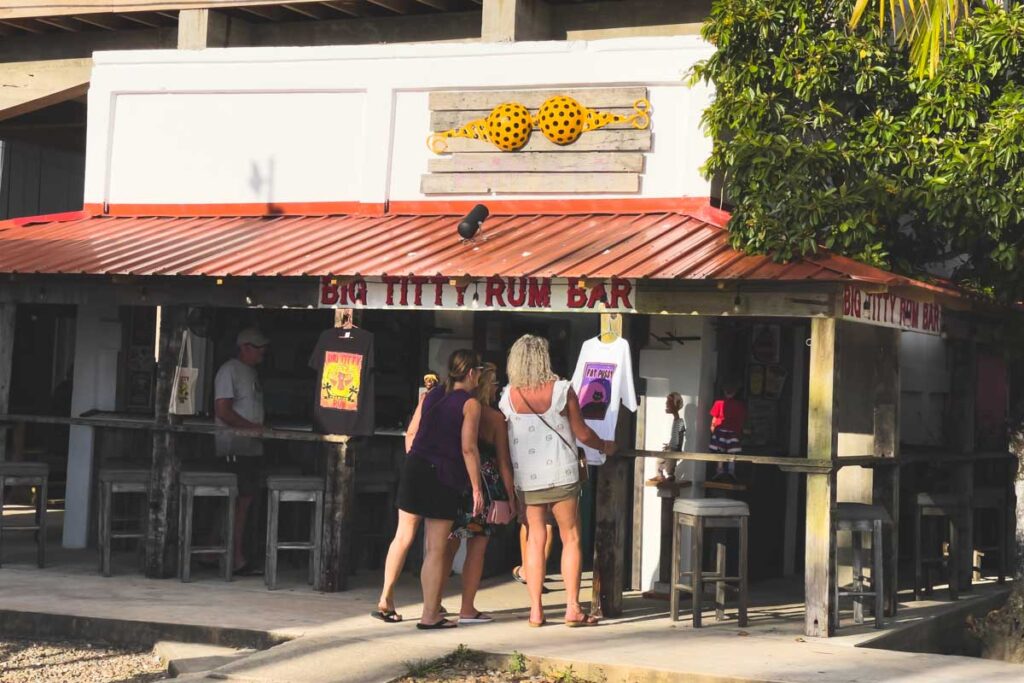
(727, 417)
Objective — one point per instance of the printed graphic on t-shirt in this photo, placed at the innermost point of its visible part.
(596, 390)
(339, 386)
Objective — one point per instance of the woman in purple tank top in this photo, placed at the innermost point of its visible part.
(443, 462)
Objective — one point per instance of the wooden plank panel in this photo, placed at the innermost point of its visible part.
(493, 162)
(597, 141)
(488, 99)
(479, 183)
(445, 120)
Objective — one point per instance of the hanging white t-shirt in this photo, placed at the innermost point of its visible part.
(603, 379)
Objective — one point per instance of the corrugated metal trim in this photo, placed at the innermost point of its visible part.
(667, 245)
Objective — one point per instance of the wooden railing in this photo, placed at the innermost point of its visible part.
(188, 426)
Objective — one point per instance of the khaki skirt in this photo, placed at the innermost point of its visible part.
(551, 495)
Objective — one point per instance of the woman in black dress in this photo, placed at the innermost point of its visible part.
(443, 462)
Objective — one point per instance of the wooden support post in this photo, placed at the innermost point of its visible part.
(511, 20)
(613, 499)
(340, 475)
(886, 482)
(796, 447)
(636, 563)
(7, 317)
(822, 444)
(162, 529)
(964, 383)
(336, 558)
(201, 28)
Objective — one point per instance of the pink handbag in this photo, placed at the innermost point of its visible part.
(499, 512)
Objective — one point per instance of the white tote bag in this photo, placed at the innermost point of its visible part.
(183, 391)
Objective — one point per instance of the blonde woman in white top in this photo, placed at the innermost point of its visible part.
(544, 422)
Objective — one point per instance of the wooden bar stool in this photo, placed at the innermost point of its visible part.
(860, 519)
(35, 474)
(949, 506)
(996, 500)
(112, 482)
(700, 514)
(294, 489)
(206, 485)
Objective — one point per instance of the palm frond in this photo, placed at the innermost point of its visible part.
(925, 25)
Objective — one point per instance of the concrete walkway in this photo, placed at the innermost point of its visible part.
(332, 638)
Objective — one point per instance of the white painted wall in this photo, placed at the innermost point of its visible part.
(330, 124)
(97, 345)
(667, 369)
(235, 147)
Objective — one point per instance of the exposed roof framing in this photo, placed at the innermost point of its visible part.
(26, 17)
(154, 13)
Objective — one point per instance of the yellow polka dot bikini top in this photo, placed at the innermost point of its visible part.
(561, 119)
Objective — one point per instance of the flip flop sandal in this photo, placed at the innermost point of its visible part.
(584, 622)
(389, 616)
(478, 618)
(439, 626)
(537, 624)
(517, 575)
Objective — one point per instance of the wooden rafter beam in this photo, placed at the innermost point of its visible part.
(140, 18)
(27, 9)
(60, 23)
(308, 10)
(345, 8)
(27, 25)
(398, 6)
(443, 5)
(107, 22)
(270, 13)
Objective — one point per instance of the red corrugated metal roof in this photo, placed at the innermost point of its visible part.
(656, 245)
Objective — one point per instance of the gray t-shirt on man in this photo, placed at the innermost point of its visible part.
(240, 383)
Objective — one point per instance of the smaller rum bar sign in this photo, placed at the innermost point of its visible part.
(490, 294)
(891, 310)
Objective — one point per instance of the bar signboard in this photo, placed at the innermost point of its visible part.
(536, 294)
(891, 310)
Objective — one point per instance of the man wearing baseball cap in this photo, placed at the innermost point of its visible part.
(238, 403)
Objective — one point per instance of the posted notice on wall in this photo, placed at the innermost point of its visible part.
(891, 310)
(537, 294)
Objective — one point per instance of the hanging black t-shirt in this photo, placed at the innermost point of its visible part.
(343, 403)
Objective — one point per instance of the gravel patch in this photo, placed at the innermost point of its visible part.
(478, 674)
(467, 666)
(36, 661)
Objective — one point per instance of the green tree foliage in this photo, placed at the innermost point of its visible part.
(827, 137)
